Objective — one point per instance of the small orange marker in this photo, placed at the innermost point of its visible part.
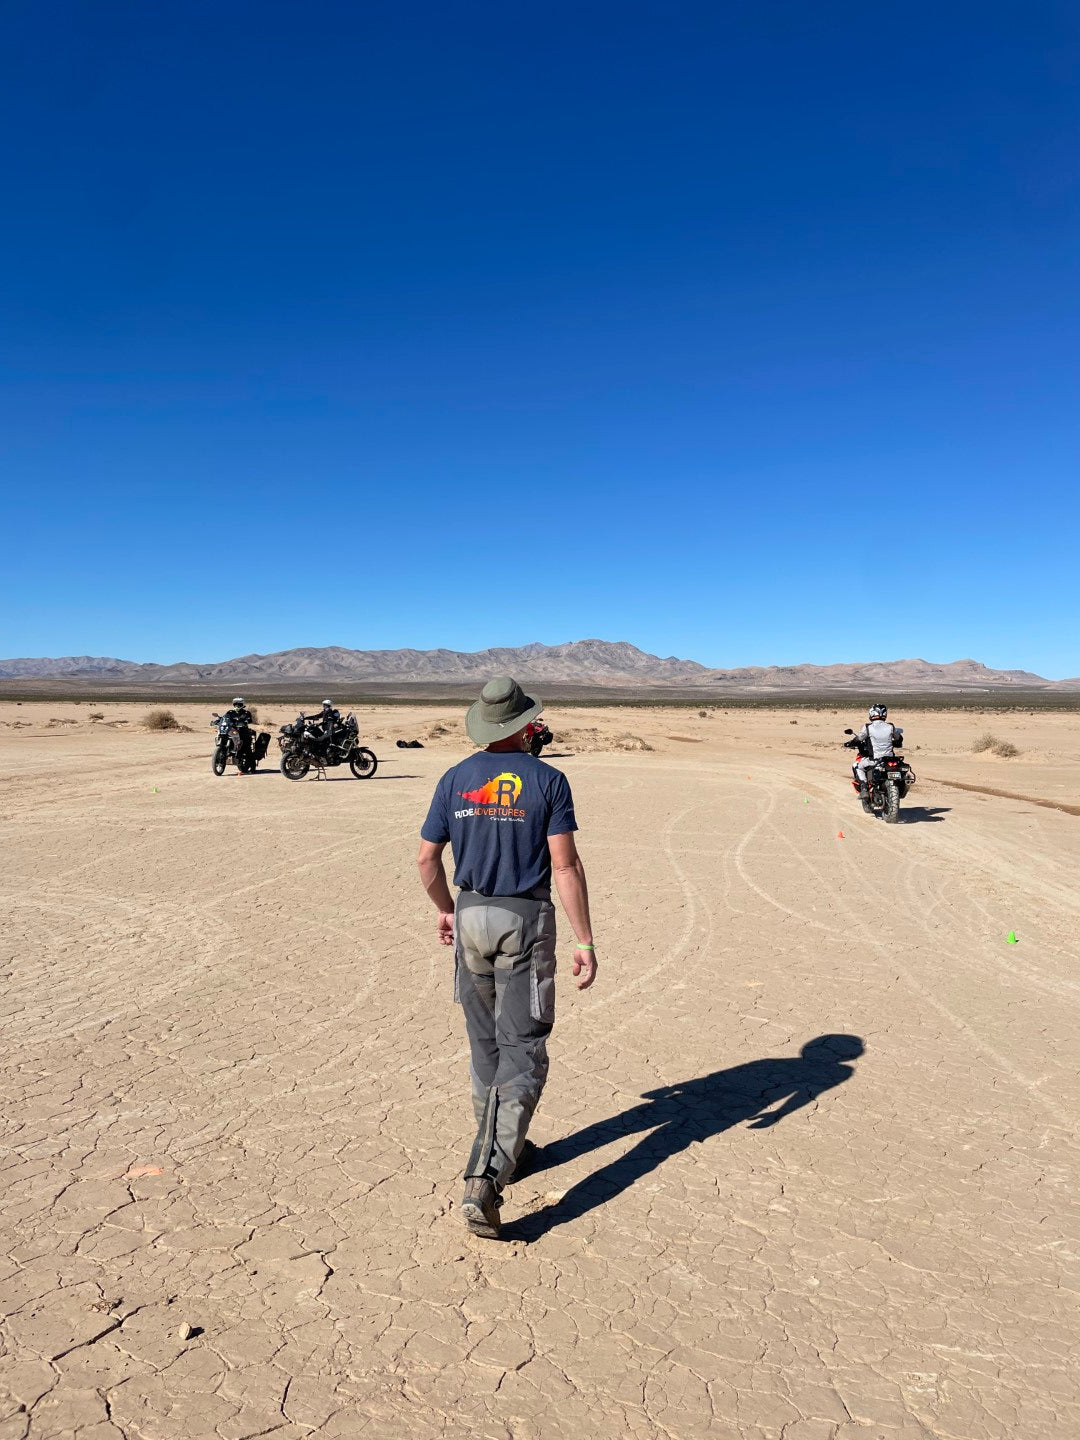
(839, 834)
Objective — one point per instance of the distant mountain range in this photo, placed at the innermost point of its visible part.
(585, 663)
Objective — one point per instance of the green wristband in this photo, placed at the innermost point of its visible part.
(584, 947)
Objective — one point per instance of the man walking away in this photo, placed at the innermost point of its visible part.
(510, 821)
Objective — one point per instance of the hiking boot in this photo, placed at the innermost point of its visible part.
(480, 1207)
(526, 1162)
(864, 796)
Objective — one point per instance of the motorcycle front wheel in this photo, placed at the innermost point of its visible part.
(892, 803)
(363, 763)
(217, 764)
(293, 766)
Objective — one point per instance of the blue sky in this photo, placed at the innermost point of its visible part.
(743, 332)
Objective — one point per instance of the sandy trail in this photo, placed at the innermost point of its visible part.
(234, 981)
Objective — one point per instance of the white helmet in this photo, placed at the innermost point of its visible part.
(238, 700)
(879, 712)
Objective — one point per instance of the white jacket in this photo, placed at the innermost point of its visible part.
(882, 736)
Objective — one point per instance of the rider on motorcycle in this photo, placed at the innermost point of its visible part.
(538, 735)
(327, 725)
(875, 741)
(239, 715)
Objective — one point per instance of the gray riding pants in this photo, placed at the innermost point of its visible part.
(504, 978)
(864, 764)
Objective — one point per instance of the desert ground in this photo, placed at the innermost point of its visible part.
(236, 1102)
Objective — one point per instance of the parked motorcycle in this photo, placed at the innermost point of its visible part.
(888, 781)
(229, 745)
(305, 744)
(538, 736)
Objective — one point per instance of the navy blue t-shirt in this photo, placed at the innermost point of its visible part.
(497, 812)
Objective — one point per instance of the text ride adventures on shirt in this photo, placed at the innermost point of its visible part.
(497, 810)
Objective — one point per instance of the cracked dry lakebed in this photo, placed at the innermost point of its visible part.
(808, 1146)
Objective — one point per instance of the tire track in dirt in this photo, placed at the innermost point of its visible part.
(1060, 805)
(887, 957)
(107, 983)
(926, 890)
(772, 900)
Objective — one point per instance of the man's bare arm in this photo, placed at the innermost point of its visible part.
(573, 890)
(433, 877)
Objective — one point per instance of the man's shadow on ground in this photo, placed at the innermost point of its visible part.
(678, 1115)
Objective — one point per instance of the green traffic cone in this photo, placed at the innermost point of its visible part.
(1010, 938)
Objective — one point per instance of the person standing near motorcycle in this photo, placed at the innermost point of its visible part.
(875, 741)
(239, 715)
(510, 820)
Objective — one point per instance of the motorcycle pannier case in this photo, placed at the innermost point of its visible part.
(262, 744)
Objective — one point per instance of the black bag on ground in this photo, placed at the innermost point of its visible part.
(261, 745)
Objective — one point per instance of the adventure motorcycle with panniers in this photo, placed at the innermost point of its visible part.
(888, 780)
(230, 746)
(306, 745)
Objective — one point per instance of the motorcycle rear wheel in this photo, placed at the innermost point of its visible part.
(217, 764)
(293, 766)
(892, 803)
(362, 763)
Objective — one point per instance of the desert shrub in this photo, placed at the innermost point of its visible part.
(1004, 749)
(161, 720)
(703, 714)
(631, 742)
(254, 712)
(96, 715)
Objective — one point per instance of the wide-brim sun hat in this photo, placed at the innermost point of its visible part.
(502, 710)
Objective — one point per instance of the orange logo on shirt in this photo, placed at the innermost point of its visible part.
(503, 790)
